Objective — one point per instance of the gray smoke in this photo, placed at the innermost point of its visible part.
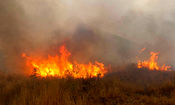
(111, 31)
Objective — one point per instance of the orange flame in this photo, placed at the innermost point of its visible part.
(60, 66)
(152, 63)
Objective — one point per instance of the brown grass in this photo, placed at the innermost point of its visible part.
(110, 90)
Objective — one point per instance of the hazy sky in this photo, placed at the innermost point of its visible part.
(138, 20)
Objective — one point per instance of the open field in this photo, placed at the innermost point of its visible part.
(125, 87)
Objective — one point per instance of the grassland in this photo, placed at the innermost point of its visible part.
(127, 86)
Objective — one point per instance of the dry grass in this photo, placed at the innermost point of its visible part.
(114, 89)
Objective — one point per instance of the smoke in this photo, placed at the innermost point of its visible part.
(110, 30)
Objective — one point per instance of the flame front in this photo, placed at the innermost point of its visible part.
(152, 63)
(60, 66)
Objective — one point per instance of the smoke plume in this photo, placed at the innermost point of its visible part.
(112, 31)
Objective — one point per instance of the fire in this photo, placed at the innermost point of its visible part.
(61, 66)
(152, 63)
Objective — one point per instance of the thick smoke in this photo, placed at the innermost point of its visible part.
(111, 31)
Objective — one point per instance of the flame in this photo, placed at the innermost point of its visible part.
(152, 63)
(142, 50)
(60, 66)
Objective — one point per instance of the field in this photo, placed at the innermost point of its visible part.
(127, 86)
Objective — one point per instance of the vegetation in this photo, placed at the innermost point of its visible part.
(125, 87)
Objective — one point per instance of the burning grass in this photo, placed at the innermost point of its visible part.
(61, 66)
(152, 63)
(128, 86)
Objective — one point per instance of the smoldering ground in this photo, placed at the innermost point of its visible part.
(112, 31)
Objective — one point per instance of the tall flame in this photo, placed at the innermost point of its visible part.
(61, 66)
(152, 63)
